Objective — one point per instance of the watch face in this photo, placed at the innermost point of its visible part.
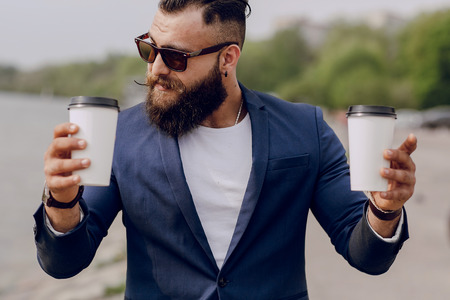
(45, 194)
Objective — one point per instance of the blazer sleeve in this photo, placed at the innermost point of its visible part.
(371, 254)
(66, 255)
(341, 212)
(61, 256)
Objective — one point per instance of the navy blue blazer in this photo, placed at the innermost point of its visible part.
(298, 164)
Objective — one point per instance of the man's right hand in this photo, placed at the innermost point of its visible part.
(58, 168)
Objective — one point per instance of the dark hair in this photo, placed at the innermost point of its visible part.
(230, 15)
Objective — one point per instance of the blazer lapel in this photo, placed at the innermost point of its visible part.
(173, 167)
(260, 156)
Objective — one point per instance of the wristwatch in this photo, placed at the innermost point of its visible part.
(49, 201)
(385, 215)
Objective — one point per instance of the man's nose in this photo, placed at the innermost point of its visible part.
(158, 67)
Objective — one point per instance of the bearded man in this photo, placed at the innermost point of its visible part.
(215, 181)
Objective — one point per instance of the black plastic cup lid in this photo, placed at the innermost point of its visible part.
(82, 101)
(371, 110)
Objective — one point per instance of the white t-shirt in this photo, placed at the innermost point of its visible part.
(217, 164)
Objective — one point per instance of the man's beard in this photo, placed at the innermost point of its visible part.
(187, 110)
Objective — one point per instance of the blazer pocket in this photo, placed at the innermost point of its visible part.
(289, 162)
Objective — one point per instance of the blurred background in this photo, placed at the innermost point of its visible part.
(327, 53)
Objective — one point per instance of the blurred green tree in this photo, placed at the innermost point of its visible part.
(265, 65)
(353, 67)
(7, 76)
(105, 78)
(424, 58)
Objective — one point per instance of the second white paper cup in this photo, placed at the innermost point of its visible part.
(97, 121)
(370, 132)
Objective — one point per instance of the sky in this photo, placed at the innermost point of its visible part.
(38, 32)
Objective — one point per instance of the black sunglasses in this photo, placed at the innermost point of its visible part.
(175, 60)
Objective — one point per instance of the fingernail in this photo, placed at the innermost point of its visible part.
(72, 127)
(85, 162)
(82, 143)
(383, 194)
(389, 153)
(76, 178)
(386, 171)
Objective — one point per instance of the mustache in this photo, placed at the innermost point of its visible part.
(165, 82)
(141, 84)
(150, 82)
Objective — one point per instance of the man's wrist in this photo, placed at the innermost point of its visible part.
(50, 226)
(49, 201)
(397, 232)
(385, 215)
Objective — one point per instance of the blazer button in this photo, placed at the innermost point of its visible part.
(223, 282)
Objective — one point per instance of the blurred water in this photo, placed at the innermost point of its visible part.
(26, 123)
(26, 130)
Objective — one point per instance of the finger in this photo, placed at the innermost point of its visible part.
(63, 187)
(409, 145)
(399, 158)
(62, 147)
(399, 176)
(61, 167)
(68, 144)
(60, 183)
(387, 200)
(399, 196)
(65, 129)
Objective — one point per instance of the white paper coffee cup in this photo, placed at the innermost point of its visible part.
(97, 121)
(370, 132)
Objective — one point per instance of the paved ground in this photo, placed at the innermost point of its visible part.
(422, 270)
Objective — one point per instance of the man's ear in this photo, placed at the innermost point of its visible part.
(229, 58)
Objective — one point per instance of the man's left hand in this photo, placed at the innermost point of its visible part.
(401, 176)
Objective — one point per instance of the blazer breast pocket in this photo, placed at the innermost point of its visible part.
(288, 162)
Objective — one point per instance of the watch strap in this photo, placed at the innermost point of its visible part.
(52, 202)
(385, 215)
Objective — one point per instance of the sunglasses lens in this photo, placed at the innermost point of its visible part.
(174, 60)
(147, 52)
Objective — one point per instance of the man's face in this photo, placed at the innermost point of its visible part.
(179, 101)
(186, 107)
